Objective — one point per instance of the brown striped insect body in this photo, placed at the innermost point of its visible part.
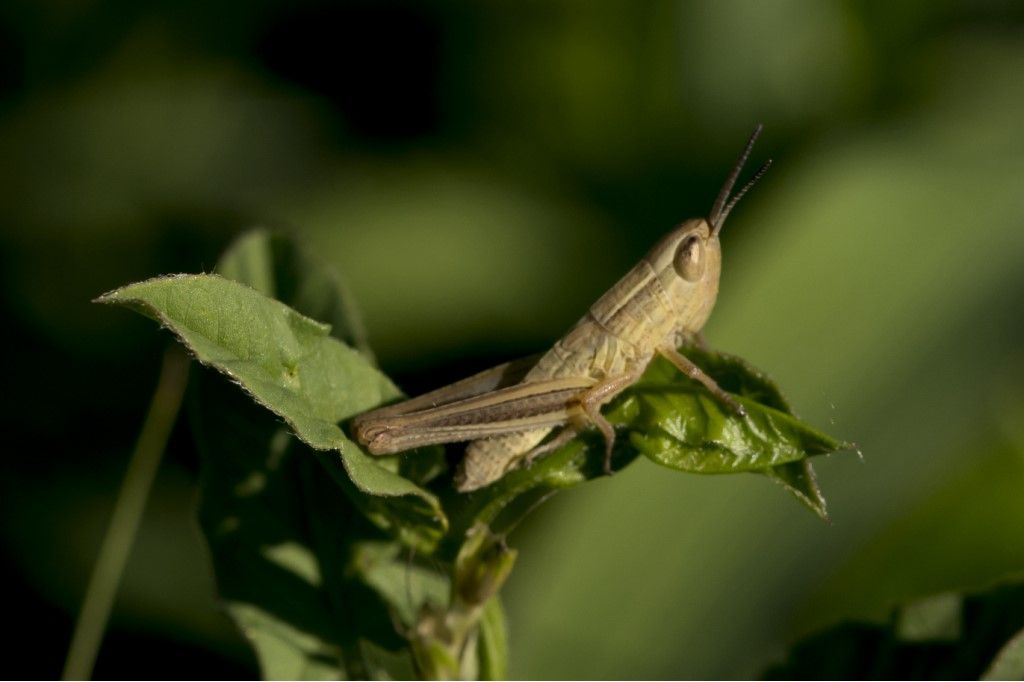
(508, 411)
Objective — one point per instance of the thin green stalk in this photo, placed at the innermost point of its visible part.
(131, 501)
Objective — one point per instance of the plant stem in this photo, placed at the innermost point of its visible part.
(124, 523)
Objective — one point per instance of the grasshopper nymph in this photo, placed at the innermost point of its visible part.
(509, 410)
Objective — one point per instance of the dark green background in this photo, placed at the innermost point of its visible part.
(480, 172)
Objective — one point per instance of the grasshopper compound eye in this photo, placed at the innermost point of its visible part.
(689, 261)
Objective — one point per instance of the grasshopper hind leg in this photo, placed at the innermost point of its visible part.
(592, 412)
(561, 438)
(574, 408)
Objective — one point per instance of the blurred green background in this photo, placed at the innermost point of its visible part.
(480, 173)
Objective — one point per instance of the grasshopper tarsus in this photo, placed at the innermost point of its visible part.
(608, 471)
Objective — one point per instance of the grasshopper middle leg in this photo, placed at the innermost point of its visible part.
(591, 401)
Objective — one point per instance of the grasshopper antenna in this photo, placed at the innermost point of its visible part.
(739, 195)
(723, 204)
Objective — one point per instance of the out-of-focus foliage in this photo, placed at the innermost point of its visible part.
(947, 636)
(504, 163)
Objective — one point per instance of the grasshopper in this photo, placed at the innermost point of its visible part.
(509, 410)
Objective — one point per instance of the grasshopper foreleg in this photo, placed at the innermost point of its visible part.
(686, 366)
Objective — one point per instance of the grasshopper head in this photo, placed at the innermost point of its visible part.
(688, 260)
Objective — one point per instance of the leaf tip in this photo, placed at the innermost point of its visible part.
(816, 504)
(111, 296)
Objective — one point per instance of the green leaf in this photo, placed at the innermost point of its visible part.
(732, 373)
(492, 646)
(285, 652)
(386, 664)
(407, 587)
(935, 618)
(799, 479)
(1009, 662)
(289, 364)
(280, 533)
(286, 361)
(946, 636)
(254, 517)
(674, 421)
(278, 267)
